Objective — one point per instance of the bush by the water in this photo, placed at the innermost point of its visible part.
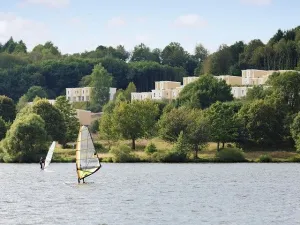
(150, 148)
(230, 155)
(99, 147)
(122, 154)
(265, 158)
(170, 156)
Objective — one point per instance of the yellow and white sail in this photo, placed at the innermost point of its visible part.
(87, 161)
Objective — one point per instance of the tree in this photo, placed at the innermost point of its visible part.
(35, 91)
(20, 47)
(287, 86)
(198, 131)
(174, 55)
(130, 88)
(263, 124)
(23, 101)
(257, 92)
(106, 128)
(54, 120)
(295, 131)
(143, 53)
(101, 81)
(2, 128)
(223, 125)
(205, 91)
(135, 119)
(7, 108)
(26, 138)
(70, 119)
(201, 52)
(172, 123)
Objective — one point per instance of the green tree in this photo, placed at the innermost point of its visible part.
(287, 86)
(263, 124)
(135, 119)
(101, 81)
(205, 91)
(69, 117)
(172, 123)
(106, 128)
(224, 127)
(130, 88)
(295, 131)
(174, 55)
(257, 92)
(201, 53)
(143, 53)
(2, 128)
(36, 91)
(7, 108)
(54, 120)
(26, 138)
(23, 101)
(198, 131)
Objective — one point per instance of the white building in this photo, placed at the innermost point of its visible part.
(239, 92)
(83, 94)
(230, 80)
(187, 80)
(141, 95)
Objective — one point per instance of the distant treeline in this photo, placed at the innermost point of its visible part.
(46, 66)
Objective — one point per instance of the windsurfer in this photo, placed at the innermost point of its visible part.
(42, 162)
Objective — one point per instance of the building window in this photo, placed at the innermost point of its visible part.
(82, 91)
(69, 98)
(87, 98)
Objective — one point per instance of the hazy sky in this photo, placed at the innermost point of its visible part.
(79, 25)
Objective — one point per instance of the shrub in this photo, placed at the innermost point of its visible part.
(295, 158)
(231, 155)
(94, 127)
(99, 147)
(265, 158)
(170, 156)
(122, 154)
(150, 148)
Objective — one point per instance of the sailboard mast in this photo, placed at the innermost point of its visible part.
(87, 161)
(50, 154)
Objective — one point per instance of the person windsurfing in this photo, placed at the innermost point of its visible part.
(42, 163)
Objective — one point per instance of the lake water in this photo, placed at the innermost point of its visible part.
(151, 194)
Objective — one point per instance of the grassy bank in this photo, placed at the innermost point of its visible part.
(206, 155)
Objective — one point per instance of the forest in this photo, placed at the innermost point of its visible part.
(46, 66)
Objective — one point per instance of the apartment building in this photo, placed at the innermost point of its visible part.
(83, 94)
(141, 95)
(187, 80)
(230, 80)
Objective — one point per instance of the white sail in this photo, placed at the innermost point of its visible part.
(86, 160)
(50, 154)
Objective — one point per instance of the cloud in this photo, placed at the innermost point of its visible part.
(116, 22)
(190, 20)
(257, 2)
(30, 31)
(47, 3)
